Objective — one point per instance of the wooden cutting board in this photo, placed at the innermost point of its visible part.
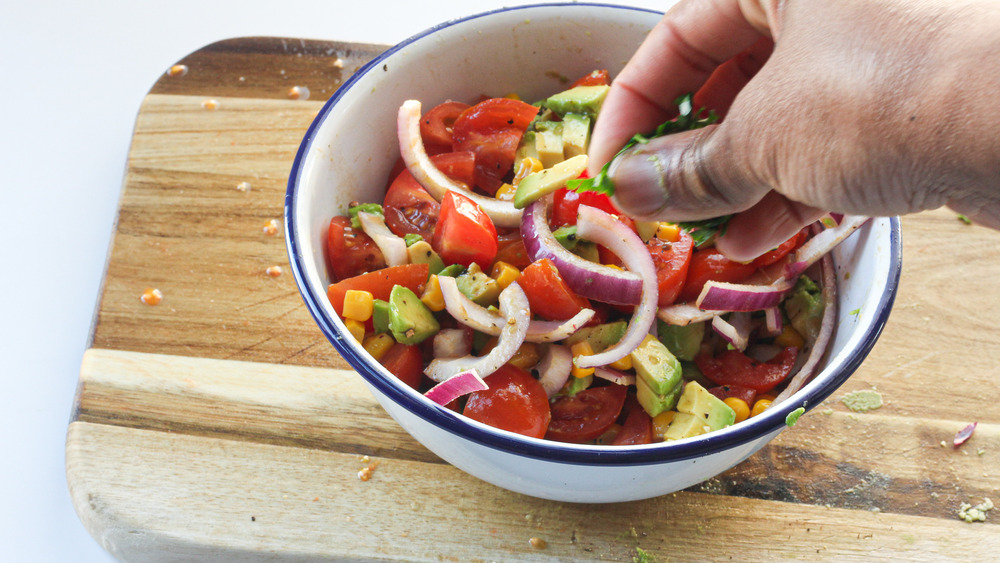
(220, 423)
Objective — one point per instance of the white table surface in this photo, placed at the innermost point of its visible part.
(71, 80)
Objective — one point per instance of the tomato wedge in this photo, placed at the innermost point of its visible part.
(464, 233)
(638, 429)
(406, 362)
(379, 283)
(740, 392)
(512, 251)
(492, 129)
(671, 260)
(566, 203)
(709, 264)
(515, 402)
(350, 251)
(436, 125)
(594, 78)
(547, 292)
(734, 368)
(407, 206)
(781, 251)
(587, 414)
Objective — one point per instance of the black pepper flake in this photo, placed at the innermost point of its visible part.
(253, 518)
(385, 68)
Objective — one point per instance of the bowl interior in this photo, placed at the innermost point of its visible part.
(351, 146)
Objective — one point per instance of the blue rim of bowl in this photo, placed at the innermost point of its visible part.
(575, 454)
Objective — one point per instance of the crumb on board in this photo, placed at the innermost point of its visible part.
(151, 296)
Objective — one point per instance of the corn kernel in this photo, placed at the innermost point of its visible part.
(661, 423)
(356, 328)
(789, 337)
(739, 406)
(432, 296)
(580, 349)
(760, 406)
(378, 344)
(622, 364)
(615, 266)
(505, 192)
(358, 305)
(527, 166)
(504, 274)
(668, 232)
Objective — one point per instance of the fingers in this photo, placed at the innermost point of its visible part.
(676, 58)
(770, 222)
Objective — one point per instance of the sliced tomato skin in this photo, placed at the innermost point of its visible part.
(464, 234)
(350, 251)
(723, 392)
(710, 264)
(548, 294)
(379, 283)
(587, 414)
(406, 362)
(566, 203)
(594, 78)
(511, 249)
(492, 129)
(436, 125)
(515, 401)
(671, 260)
(732, 367)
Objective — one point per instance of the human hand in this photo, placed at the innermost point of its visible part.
(870, 107)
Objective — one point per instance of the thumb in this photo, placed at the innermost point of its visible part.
(684, 177)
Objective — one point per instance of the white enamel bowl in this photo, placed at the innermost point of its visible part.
(347, 154)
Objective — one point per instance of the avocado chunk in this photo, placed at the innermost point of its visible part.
(566, 236)
(478, 286)
(421, 252)
(575, 384)
(410, 321)
(452, 270)
(684, 342)
(526, 149)
(705, 413)
(584, 100)
(651, 401)
(804, 308)
(575, 134)
(380, 316)
(600, 337)
(549, 145)
(588, 251)
(656, 366)
(538, 184)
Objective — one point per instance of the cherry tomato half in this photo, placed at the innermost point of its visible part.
(379, 283)
(709, 264)
(594, 78)
(407, 206)
(638, 429)
(566, 203)
(671, 260)
(436, 125)
(587, 414)
(783, 249)
(733, 367)
(350, 251)
(464, 233)
(547, 292)
(515, 402)
(492, 129)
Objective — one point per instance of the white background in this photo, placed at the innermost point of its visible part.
(72, 76)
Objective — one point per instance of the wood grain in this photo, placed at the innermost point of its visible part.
(221, 423)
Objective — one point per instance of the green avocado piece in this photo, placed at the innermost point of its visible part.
(549, 146)
(380, 316)
(576, 384)
(526, 149)
(410, 321)
(684, 342)
(651, 401)
(709, 413)
(478, 286)
(656, 366)
(538, 184)
(584, 100)
(588, 251)
(575, 134)
(600, 337)
(566, 235)
(804, 308)
(421, 252)
(452, 270)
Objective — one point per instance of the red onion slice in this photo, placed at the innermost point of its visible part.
(963, 435)
(722, 296)
(452, 343)
(735, 331)
(773, 322)
(821, 244)
(600, 227)
(683, 314)
(513, 307)
(437, 183)
(614, 376)
(586, 278)
(554, 368)
(456, 386)
(818, 348)
(393, 247)
(475, 316)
